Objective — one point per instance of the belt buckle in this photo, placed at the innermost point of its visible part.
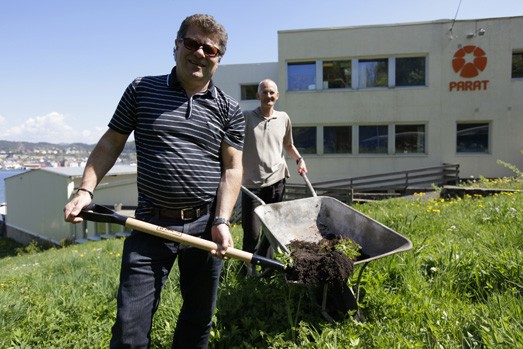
(182, 214)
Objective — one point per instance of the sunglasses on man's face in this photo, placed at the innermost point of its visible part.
(193, 45)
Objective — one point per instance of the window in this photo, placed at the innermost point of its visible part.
(337, 139)
(305, 139)
(248, 92)
(373, 73)
(337, 74)
(373, 139)
(410, 71)
(472, 138)
(301, 76)
(410, 139)
(517, 64)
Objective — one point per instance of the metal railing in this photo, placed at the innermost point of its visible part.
(380, 185)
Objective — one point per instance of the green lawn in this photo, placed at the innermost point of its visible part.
(461, 286)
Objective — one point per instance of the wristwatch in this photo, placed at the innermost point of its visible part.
(220, 220)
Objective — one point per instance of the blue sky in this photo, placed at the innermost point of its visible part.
(65, 63)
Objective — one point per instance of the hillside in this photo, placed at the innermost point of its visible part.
(28, 147)
(28, 155)
(459, 287)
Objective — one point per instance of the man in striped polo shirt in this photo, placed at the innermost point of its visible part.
(189, 140)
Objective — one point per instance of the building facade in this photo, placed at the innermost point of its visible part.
(374, 99)
(37, 198)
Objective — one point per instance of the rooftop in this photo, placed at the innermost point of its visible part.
(78, 171)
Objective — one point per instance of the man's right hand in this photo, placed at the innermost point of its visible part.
(71, 210)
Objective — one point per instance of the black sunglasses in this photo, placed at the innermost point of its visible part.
(193, 45)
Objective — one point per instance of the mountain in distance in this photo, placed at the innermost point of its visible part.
(31, 147)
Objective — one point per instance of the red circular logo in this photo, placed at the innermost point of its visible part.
(469, 61)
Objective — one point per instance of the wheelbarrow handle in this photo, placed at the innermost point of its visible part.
(99, 213)
(252, 195)
(308, 183)
(305, 178)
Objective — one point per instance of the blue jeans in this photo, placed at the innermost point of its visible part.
(146, 263)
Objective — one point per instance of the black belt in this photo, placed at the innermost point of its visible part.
(184, 214)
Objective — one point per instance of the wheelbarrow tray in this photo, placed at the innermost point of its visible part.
(311, 219)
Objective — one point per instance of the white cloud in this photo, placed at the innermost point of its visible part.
(52, 128)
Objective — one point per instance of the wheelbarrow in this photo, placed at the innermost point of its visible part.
(311, 219)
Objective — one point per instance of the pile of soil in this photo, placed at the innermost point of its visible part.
(319, 263)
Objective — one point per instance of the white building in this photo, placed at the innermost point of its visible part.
(373, 99)
(37, 198)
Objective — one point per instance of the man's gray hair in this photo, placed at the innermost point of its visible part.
(264, 81)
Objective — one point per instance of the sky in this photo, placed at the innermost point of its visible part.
(64, 64)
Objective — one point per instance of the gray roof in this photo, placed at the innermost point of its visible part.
(78, 171)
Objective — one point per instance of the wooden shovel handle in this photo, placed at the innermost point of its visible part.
(98, 213)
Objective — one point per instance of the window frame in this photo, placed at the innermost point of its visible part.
(467, 149)
(399, 150)
(243, 86)
(519, 69)
(362, 62)
(302, 139)
(396, 71)
(312, 86)
(345, 80)
(382, 139)
(337, 147)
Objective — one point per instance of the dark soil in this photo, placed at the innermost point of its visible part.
(319, 263)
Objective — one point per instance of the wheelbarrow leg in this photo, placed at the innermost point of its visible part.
(324, 304)
(342, 298)
(264, 249)
(358, 281)
(263, 259)
(335, 300)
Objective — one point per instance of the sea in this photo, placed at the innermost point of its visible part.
(3, 175)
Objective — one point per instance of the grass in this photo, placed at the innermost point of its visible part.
(461, 286)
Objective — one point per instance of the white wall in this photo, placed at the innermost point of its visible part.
(37, 198)
(440, 109)
(230, 78)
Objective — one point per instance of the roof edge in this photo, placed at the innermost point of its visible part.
(438, 21)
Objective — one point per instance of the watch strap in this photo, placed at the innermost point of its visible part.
(221, 220)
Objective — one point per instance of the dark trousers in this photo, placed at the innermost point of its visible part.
(250, 223)
(146, 263)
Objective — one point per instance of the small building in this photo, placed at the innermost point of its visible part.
(36, 200)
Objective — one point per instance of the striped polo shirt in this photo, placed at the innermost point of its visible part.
(178, 139)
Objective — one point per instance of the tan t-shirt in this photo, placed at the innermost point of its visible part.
(263, 148)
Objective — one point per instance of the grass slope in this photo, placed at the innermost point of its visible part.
(460, 287)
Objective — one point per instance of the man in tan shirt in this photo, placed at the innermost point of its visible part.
(268, 132)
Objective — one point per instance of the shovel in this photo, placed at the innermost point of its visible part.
(99, 213)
